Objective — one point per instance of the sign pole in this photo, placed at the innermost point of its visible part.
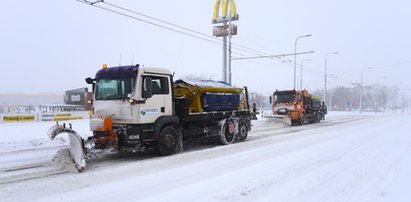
(229, 48)
(229, 13)
(225, 57)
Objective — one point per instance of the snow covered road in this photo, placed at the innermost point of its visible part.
(346, 158)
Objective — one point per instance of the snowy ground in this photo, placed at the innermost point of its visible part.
(348, 157)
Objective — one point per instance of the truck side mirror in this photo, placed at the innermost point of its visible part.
(89, 80)
(271, 99)
(147, 88)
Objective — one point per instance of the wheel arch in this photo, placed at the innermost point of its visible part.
(163, 121)
(248, 123)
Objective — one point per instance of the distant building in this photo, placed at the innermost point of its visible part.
(20, 103)
(72, 100)
(78, 97)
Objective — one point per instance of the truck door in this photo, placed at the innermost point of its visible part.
(160, 103)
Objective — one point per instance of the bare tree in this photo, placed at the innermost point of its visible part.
(376, 98)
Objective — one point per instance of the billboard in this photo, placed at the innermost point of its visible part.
(76, 96)
(222, 30)
(18, 117)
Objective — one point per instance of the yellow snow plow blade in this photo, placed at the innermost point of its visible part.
(77, 148)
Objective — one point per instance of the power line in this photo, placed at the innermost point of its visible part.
(194, 33)
(180, 27)
(94, 4)
(213, 39)
(273, 56)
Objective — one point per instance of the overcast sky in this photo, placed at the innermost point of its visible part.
(51, 46)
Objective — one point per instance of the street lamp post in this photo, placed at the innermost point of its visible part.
(362, 87)
(295, 57)
(325, 75)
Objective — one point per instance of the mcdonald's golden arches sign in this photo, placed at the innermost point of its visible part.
(224, 5)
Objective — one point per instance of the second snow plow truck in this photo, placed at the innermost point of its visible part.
(137, 108)
(297, 107)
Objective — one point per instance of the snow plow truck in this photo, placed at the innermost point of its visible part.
(135, 108)
(297, 107)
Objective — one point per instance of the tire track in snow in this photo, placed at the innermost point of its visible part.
(40, 168)
(6, 153)
(28, 172)
(356, 156)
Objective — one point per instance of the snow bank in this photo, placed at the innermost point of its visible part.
(63, 160)
(33, 135)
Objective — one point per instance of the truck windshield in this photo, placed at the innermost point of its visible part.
(114, 89)
(285, 98)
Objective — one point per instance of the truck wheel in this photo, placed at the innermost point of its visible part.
(302, 120)
(242, 130)
(169, 141)
(227, 135)
(313, 118)
(319, 117)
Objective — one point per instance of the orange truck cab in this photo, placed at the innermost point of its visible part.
(299, 106)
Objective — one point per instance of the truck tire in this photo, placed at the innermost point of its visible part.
(302, 120)
(242, 130)
(227, 134)
(313, 118)
(169, 141)
(319, 116)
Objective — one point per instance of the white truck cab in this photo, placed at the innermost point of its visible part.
(121, 94)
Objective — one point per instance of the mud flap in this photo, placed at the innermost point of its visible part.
(77, 148)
